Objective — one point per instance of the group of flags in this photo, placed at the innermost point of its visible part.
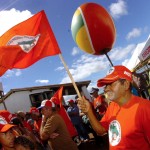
(27, 42)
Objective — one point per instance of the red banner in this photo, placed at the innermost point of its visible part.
(26, 43)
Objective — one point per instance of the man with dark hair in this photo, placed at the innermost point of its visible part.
(35, 121)
(127, 117)
(23, 143)
(54, 129)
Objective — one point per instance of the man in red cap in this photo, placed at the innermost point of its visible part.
(6, 133)
(35, 115)
(127, 117)
(52, 122)
(99, 103)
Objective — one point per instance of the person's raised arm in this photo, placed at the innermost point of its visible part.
(85, 106)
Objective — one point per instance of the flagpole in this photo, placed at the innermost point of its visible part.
(71, 78)
(2, 99)
(2, 95)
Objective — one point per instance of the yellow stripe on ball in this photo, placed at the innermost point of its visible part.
(83, 40)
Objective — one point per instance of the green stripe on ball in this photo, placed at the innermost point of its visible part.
(76, 26)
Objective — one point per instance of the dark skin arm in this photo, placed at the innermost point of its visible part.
(43, 135)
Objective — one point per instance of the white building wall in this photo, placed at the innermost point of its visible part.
(2, 106)
(20, 100)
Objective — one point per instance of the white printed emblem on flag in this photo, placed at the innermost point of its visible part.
(25, 42)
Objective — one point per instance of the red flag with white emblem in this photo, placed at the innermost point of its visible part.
(27, 42)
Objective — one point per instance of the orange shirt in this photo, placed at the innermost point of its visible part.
(37, 124)
(128, 126)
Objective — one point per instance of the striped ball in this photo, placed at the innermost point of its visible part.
(93, 29)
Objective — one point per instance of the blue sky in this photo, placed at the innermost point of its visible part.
(132, 21)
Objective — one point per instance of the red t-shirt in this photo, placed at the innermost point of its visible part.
(128, 126)
(26, 125)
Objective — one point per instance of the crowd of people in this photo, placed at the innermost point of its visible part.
(17, 130)
(116, 119)
(46, 128)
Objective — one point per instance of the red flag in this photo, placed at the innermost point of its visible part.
(57, 99)
(26, 43)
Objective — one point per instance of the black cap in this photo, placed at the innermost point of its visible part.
(93, 90)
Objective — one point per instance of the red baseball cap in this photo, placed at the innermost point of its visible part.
(55, 100)
(115, 73)
(46, 103)
(34, 110)
(5, 117)
(71, 101)
(6, 114)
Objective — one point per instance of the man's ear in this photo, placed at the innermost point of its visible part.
(127, 84)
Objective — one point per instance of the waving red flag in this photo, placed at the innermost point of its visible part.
(26, 43)
(57, 99)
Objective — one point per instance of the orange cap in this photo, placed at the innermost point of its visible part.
(5, 127)
(5, 117)
(115, 73)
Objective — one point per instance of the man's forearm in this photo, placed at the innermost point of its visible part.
(98, 128)
(42, 126)
(42, 134)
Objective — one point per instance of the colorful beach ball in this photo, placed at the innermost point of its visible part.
(93, 29)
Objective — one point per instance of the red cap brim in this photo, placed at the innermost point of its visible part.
(105, 81)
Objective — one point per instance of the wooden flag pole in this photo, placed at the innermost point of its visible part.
(71, 78)
(2, 99)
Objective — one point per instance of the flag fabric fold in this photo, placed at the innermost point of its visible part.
(57, 99)
(27, 42)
